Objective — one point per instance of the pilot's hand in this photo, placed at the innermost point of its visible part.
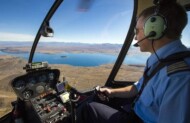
(103, 93)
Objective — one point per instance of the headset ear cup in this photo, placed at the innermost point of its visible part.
(157, 24)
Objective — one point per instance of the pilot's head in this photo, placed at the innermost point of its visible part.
(166, 24)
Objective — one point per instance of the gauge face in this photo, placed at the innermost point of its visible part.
(32, 81)
(27, 94)
(51, 76)
(20, 84)
(42, 78)
(47, 87)
(40, 89)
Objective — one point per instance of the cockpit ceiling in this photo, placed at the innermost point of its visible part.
(142, 4)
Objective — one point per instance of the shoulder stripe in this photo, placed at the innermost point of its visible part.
(177, 67)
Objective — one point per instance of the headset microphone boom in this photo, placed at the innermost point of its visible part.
(151, 34)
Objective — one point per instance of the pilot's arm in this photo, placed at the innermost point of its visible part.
(175, 105)
(124, 92)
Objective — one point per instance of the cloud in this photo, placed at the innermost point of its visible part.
(6, 36)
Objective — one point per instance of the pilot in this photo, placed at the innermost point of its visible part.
(162, 97)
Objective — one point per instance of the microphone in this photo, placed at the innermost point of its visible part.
(151, 34)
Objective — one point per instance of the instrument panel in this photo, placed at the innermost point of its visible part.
(35, 83)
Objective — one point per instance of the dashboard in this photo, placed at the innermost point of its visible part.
(45, 97)
(33, 84)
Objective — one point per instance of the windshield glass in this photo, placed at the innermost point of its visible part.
(19, 23)
(87, 40)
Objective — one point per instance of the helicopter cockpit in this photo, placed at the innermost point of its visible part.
(49, 93)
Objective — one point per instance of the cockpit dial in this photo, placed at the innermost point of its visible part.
(32, 81)
(20, 84)
(27, 94)
(51, 76)
(42, 78)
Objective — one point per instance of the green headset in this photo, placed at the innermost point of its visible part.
(155, 27)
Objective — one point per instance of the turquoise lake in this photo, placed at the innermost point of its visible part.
(80, 59)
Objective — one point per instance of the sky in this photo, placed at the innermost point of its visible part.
(106, 21)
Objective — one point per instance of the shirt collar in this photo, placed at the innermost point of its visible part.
(163, 52)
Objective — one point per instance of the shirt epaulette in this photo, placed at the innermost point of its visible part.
(177, 67)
